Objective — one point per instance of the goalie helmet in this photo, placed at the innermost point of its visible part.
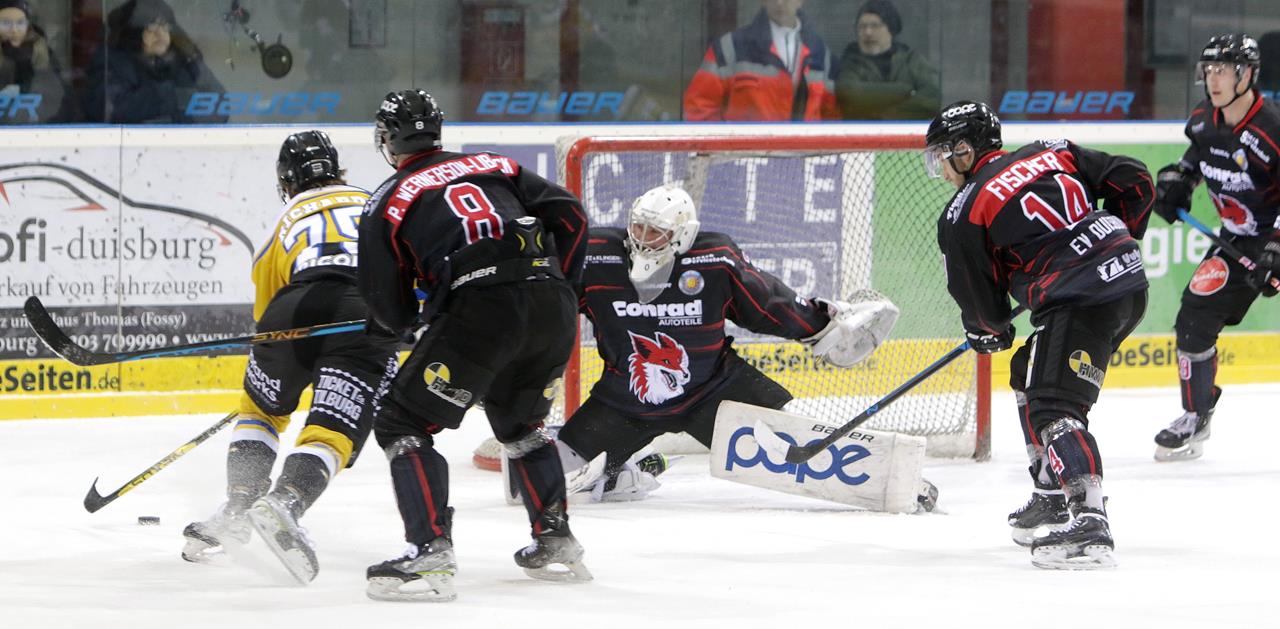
(1237, 49)
(407, 122)
(663, 224)
(973, 122)
(307, 160)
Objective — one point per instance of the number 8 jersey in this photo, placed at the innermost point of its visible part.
(314, 237)
(1027, 224)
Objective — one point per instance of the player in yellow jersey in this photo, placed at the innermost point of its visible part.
(304, 275)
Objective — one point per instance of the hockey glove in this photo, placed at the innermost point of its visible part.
(1174, 184)
(1268, 267)
(986, 343)
(855, 331)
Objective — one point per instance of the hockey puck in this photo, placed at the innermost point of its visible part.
(149, 520)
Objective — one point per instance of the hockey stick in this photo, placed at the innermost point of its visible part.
(1231, 250)
(774, 444)
(47, 329)
(94, 501)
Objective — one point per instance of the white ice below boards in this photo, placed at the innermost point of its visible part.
(699, 550)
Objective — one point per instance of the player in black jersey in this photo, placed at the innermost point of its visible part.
(659, 295)
(1027, 224)
(305, 274)
(1235, 150)
(498, 249)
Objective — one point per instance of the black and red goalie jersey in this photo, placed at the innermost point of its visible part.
(1240, 164)
(441, 203)
(1027, 224)
(663, 357)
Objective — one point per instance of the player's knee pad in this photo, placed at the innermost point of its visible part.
(532, 439)
(1070, 449)
(1197, 329)
(330, 446)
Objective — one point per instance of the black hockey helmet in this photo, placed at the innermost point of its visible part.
(307, 160)
(970, 121)
(1238, 49)
(407, 122)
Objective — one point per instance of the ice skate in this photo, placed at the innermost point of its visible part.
(209, 539)
(550, 549)
(1184, 439)
(1084, 544)
(423, 573)
(1047, 508)
(272, 517)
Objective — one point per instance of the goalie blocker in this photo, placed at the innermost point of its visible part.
(879, 471)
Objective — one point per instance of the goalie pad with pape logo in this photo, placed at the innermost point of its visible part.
(880, 471)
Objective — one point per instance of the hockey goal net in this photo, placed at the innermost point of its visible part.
(832, 216)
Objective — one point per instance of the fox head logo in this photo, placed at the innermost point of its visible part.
(1235, 214)
(659, 368)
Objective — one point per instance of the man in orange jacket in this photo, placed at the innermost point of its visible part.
(776, 68)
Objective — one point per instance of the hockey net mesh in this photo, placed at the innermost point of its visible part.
(846, 222)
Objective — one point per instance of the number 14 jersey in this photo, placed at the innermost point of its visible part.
(1028, 224)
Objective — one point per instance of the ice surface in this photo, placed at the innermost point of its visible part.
(1194, 540)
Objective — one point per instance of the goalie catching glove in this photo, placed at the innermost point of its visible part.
(855, 330)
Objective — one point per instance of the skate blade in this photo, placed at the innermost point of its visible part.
(572, 572)
(1058, 558)
(276, 534)
(1192, 450)
(431, 588)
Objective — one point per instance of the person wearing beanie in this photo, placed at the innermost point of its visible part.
(882, 78)
(30, 77)
(147, 69)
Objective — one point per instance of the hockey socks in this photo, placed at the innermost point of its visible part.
(540, 478)
(1196, 373)
(420, 477)
(1072, 451)
(248, 472)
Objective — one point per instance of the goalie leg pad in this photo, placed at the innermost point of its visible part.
(869, 469)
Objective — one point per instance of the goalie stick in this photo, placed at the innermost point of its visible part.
(792, 453)
(47, 329)
(1229, 248)
(94, 501)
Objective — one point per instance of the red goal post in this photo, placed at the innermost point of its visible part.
(836, 214)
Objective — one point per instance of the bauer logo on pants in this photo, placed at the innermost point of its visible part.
(1210, 276)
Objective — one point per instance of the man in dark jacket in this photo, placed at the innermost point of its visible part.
(881, 78)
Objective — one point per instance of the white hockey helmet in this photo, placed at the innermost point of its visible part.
(663, 224)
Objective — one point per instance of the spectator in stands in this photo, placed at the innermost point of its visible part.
(775, 68)
(28, 67)
(147, 70)
(881, 78)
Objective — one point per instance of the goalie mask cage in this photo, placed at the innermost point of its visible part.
(833, 216)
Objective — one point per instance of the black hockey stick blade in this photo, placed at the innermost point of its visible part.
(47, 329)
(94, 500)
(800, 454)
